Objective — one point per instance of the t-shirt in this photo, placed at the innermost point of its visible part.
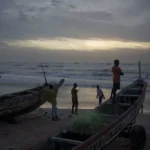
(116, 74)
(74, 94)
(50, 95)
(99, 93)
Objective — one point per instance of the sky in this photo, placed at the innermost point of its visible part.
(74, 30)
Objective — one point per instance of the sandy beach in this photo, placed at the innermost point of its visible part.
(31, 129)
(34, 127)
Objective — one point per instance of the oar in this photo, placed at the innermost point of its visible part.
(44, 74)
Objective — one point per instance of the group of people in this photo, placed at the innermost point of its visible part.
(117, 72)
(51, 92)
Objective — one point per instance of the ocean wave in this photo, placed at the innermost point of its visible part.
(106, 70)
(97, 72)
(5, 72)
(32, 68)
(108, 63)
(69, 69)
(18, 65)
(43, 66)
(39, 80)
(101, 74)
(91, 70)
(56, 66)
(42, 72)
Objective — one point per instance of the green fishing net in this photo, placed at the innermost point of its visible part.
(88, 122)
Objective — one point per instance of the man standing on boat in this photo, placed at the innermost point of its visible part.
(117, 72)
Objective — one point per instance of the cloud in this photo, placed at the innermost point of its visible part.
(97, 16)
(56, 3)
(37, 55)
(74, 23)
(143, 5)
(6, 4)
(30, 19)
(22, 16)
(133, 12)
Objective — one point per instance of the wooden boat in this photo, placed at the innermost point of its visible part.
(128, 104)
(23, 102)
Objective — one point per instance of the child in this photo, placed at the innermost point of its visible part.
(100, 94)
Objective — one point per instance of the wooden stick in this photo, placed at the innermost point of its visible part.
(139, 70)
(44, 74)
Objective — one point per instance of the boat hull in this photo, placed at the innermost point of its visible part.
(101, 139)
(128, 104)
(23, 102)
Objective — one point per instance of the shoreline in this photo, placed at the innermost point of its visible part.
(33, 127)
(87, 96)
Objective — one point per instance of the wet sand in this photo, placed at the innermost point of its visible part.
(35, 127)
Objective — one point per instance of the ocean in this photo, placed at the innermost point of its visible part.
(86, 75)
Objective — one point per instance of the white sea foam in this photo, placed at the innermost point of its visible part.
(85, 74)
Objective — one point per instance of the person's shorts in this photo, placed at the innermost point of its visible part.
(116, 86)
(75, 102)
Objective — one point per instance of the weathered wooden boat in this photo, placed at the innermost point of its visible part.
(122, 123)
(15, 104)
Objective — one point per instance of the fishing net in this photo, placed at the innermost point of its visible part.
(89, 123)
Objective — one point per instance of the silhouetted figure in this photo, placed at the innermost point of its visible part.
(50, 95)
(74, 92)
(117, 72)
(100, 94)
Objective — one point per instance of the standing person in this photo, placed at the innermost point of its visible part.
(100, 94)
(50, 94)
(74, 92)
(117, 72)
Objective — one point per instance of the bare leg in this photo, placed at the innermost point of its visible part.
(76, 108)
(100, 100)
(114, 95)
(56, 115)
(115, 110)
(53, 112)
(72, 108)
(111, 94)
(142, 109)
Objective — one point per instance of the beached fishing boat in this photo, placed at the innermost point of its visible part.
(15, 104)
(122, 118)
